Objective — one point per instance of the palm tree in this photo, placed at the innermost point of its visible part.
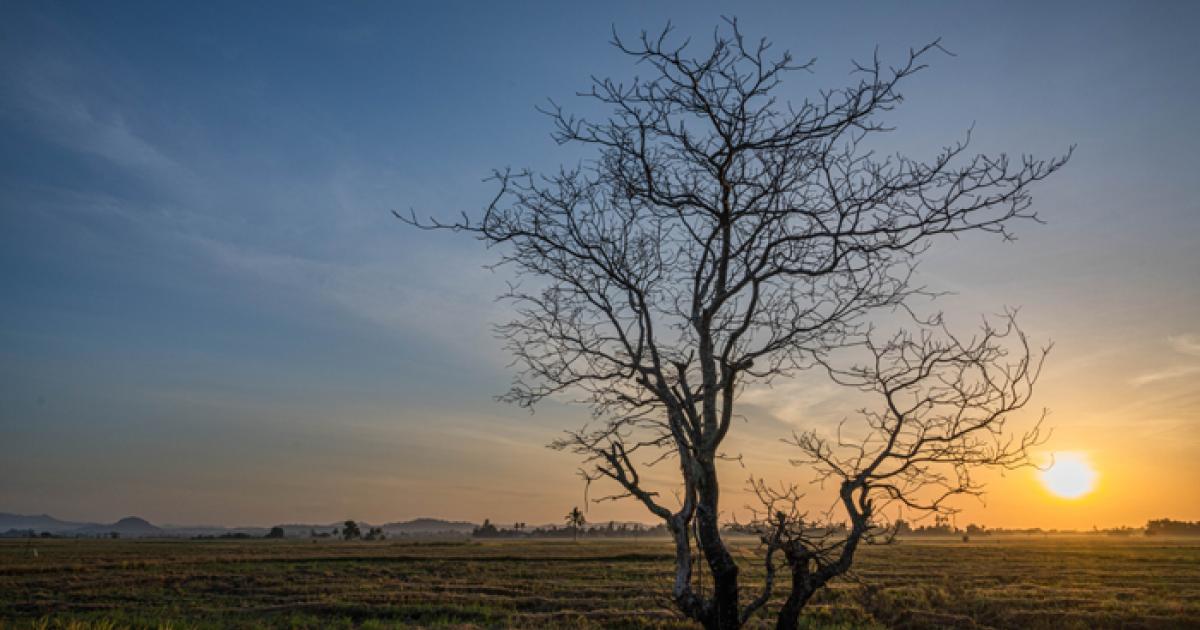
(575, 520)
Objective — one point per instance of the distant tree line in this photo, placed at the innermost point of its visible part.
(30, 533)
(1159, 527)
(611, 529)
(941, 527)
(350, 530)
(227, 536)
(1168, 527)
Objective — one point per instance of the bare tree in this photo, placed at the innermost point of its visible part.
(944, 405)
(719, 237)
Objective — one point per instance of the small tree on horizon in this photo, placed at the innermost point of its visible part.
(350, 531)
(575, 520)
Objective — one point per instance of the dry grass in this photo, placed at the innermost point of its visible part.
(1057, 583)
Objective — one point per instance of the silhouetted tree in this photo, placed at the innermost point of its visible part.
(487, 530)
(350, 531)
(276, 532)
(944, 405)
(575, 521)
(720, 237)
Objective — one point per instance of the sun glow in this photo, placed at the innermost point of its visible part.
(1070, 476)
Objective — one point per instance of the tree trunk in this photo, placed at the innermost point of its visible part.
(801, 591)
(725, 608)
(687, 600)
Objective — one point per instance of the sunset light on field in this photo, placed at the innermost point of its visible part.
(1070, 476)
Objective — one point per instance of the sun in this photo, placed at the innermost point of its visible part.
(1070, 477)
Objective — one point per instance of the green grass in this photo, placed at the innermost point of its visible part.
(1056, 582)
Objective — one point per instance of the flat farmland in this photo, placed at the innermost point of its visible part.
(1053, 582)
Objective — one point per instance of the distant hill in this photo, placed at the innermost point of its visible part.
(137, 527)
(39, 523)
(428, 526)
(130, 527)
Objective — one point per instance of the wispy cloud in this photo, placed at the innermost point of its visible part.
(52, 93)
(1166, 374)
(798, 402)
(1189, 344)
(380, 292)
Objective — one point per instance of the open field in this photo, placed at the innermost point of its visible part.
(1057, 582)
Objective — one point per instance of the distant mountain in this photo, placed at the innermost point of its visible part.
(428, 526)
(130, 526)
(38, 523)
(137, 527)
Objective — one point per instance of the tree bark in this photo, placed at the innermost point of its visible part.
(802, 590)
(724, 612)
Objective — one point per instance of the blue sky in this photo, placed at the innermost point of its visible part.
(210, 315)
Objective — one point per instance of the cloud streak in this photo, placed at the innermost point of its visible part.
(1188, 344)
(1166, 374)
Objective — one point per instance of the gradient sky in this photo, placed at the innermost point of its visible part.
(208, 315)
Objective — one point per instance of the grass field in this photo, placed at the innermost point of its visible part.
(1058, 583)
